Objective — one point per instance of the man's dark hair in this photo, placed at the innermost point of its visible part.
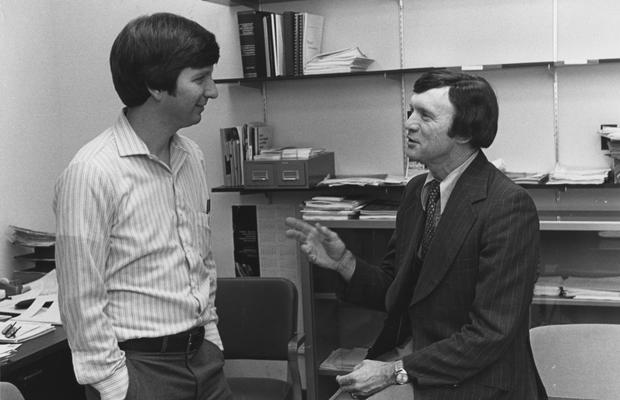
(151, 51)
(474, 101)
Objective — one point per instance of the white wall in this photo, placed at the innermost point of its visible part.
(57, 94)
(30, 140)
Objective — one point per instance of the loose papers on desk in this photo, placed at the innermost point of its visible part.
(44, 291)
(7, 351)
(25, 331)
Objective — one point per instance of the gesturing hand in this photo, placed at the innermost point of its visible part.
(322, 245)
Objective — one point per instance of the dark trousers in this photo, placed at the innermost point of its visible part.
(195, 375)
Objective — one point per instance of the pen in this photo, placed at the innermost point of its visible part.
(8, 328)
(14, 332)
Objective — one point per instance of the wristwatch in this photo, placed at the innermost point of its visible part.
(400, 375)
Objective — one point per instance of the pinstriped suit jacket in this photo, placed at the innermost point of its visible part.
(469, 308)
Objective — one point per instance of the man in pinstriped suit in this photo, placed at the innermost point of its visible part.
(458, 275)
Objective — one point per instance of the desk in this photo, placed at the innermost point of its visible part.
(42, 368)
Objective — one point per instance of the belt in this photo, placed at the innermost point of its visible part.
(178, 343)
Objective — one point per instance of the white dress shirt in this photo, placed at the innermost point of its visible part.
(133, 250)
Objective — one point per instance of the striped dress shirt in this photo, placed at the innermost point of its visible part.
(133, 250)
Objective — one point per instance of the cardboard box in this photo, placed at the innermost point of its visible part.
(298, 174)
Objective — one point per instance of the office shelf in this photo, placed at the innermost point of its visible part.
(562, 301)
(396, 73)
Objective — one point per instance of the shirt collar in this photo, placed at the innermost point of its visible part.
(130, 144)
(446, 186)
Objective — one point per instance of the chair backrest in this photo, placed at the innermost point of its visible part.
(257, 317)
(578, 360)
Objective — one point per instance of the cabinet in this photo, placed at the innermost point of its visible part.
(42, 369)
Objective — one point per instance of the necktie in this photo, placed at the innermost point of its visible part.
(433, 208)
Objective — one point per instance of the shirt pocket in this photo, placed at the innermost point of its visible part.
(202, 229)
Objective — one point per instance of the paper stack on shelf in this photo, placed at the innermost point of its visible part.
(30, 238)
(331, 208)
(379, 209)
(23, 330)
(581, 176)
(527, 177)
(354, 181)
(345, 60)
(548, 286)
(602, 288)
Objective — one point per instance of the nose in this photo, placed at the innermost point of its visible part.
(411, 123)
(210, 90)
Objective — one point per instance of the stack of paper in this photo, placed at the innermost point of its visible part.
(548, 286)
(6, 351)
(322, 208)
(30, 238)
(566, 175)
(379, 209)
(346, 60)
(527, 177)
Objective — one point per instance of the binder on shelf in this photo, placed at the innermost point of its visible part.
(251, 39)
(278, 44)
(312, 36)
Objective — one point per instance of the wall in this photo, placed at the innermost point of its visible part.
(57, 94)
(30, 143)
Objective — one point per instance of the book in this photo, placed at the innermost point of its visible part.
(312, 36)
(252, 42)
(226, 138)
(288, 22)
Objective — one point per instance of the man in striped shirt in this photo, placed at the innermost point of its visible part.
(135, 267)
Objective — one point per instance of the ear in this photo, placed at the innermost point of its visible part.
(462, 140)
(155, 93)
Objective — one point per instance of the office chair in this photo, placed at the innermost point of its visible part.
(8, 391)
(578, 360)
(258, 321)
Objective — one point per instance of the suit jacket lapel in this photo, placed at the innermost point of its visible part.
(454, 226)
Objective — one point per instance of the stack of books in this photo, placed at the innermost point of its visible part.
(242, 143)
(341, 61)
(379, 209)
(331, 208)
(278, 44)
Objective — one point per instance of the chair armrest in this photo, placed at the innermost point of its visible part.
(293, 363)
